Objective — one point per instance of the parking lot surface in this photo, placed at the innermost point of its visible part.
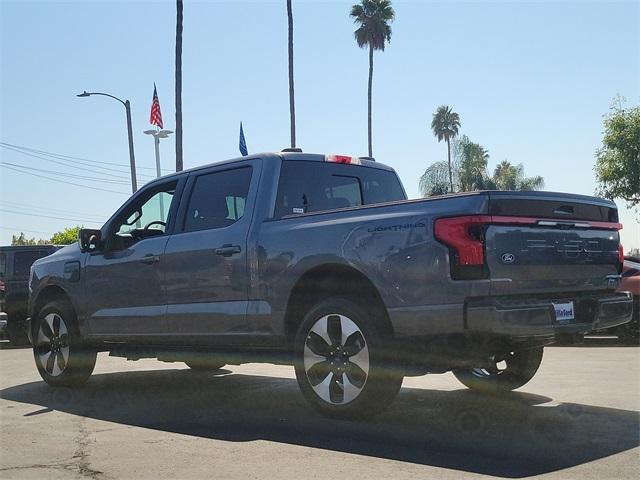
(578, 418)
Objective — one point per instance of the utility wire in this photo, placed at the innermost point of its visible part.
(68, 175)
(59, 155)
(48, 216)
(62, 181)
(23, 230)
(68, 163)
(54, 211)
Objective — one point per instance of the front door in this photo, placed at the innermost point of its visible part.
(206, 258)
(124, 280)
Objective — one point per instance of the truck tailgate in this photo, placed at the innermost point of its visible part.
(556, 243)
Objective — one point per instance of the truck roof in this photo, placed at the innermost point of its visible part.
(275, 156)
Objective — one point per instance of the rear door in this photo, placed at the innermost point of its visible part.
(205, 267)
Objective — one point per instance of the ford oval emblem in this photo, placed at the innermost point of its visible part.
(508, 258)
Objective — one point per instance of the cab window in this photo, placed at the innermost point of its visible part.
(148, 217)
(308, 186)
(218, 199)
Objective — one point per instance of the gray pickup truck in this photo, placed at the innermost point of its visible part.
(322, 262)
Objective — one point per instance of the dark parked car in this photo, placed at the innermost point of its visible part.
(322, 262)
(15, 262)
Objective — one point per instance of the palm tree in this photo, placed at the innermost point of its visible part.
(179, 164)
(470, 165)
(507, 176)
(445, 125)
(373, 18)
(292, 107)
(434, 181)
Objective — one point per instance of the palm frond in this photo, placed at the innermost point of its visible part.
(372, 18)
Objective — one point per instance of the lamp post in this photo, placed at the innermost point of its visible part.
(132, 158)
(157, 135)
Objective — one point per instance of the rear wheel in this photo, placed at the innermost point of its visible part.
(61, 356)
(341, 360)
(506, 371)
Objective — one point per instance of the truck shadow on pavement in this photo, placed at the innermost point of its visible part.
(514, 436)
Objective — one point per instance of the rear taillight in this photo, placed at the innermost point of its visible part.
(621, 257)
(2, 286)
(463, 236)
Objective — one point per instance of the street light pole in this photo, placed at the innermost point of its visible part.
(132, 158)
(157, 135)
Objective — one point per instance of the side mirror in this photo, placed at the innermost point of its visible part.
(89, 239)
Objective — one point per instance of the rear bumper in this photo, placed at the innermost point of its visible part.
(520, 318)
(516, 317)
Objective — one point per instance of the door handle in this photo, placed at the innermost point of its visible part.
(228, 250)
(150, 259)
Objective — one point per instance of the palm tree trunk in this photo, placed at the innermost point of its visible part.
(179, 164)
(370, 84)
(292, 106)
(450, 171)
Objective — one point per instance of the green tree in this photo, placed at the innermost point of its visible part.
(618, 159)
(292, 103)
(66, 237)
(372, 18)
(469, 173)
(23, 240)
(435, 180)
(507, 176)
(471, 164)
(445, 125)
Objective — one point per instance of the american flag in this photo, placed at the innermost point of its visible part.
(156, 115)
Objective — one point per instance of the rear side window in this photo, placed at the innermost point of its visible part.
(218, 199)
(3, 264)
(22, 261)
(307, 186)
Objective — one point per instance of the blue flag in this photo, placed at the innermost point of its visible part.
(243, 143)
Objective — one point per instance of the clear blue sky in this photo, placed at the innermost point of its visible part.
(530, 81)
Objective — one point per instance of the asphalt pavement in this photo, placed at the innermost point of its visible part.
(577, 419)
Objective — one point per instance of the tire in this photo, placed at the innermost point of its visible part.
(629, 333)
(204, 364)
(60, 355)
(341, 360)
(520, 367)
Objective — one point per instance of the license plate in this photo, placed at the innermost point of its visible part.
(564, 311)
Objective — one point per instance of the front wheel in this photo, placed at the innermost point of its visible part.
(506, 371)
(61, 357)
(341, 360)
